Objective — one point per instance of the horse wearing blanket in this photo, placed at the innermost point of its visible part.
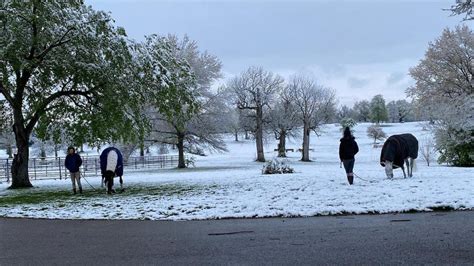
(111, 165)
(396, 150)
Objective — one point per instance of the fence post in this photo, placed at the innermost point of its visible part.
(34, 166)
(8, 171)
(60, 170)
(65, 171)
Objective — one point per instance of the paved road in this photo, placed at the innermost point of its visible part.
(440, 238)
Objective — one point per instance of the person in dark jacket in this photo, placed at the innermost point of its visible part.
(347, 149)
(73, 162)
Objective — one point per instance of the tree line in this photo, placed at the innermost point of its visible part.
(68, 74)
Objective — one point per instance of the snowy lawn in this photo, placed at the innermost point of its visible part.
(231, 185)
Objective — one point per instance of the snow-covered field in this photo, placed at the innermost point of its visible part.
(231, 185)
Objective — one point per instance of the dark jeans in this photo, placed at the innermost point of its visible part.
(348, 165)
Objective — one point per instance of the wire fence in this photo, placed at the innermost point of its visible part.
(53, 167)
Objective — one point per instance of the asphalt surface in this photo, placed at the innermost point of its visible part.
(421, 238)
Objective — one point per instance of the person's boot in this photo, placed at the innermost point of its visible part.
(350, 179)
(74, 191)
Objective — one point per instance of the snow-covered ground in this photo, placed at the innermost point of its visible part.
(231, 185)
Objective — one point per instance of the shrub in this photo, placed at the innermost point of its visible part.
(456, 147)
(376, 133)
(190, 161)
(348, 122)
(276, 166)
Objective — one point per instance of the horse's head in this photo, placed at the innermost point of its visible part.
(109, 175)
(388, 169)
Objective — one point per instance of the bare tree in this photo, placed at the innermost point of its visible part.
(247, 121)
(230, 115)
(404, 110)
(362, 109)
(314, 104)
(346, 112)
(255, 90)
(231, 122)
(427, 148)
(392, 111)
(127, 149)
(283, 120)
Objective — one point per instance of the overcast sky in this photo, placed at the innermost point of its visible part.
(358, 47)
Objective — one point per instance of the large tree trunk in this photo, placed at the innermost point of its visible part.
(20, 178)
(306, 132)
(181, 161)
(282, 144)
(259, 136)
(236, 134)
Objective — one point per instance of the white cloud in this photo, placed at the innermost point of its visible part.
(355, 82)
(375, 79)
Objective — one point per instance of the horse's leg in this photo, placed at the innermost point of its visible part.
(407, 162)
(403, 169)
(411, 160)
(121, 183)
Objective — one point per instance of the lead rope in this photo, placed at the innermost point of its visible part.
(361, 178)
(84, 177)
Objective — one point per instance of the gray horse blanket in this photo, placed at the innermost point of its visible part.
(397, 148)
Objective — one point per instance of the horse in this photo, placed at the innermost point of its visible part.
(111, 165)
(396, 150)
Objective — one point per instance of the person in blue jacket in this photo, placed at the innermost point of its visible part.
(111, 165)
(73, 162)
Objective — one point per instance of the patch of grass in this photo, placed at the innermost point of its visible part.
(33, 196)
(410, 211)
(442, 208)
(161, 190)
(30, 196)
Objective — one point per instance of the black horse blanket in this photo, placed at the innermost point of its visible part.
(397, 148)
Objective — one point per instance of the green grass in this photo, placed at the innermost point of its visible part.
(38, 196)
